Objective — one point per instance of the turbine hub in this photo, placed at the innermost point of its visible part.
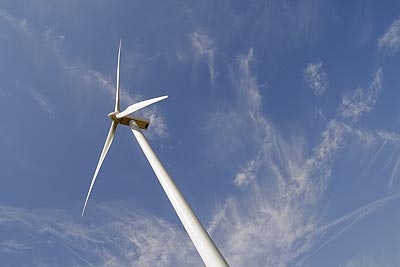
(113, 116)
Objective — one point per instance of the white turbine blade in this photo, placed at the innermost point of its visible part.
(118, 80)
(107, 145)
(139, 105)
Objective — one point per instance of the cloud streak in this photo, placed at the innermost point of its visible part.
(358, 102)
(204, 46)
(43, 103)
(390, 41)
(21, 24)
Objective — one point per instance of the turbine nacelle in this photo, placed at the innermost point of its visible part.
(125, 116)
(141, 122)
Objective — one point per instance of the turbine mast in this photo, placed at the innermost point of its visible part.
(203, 243)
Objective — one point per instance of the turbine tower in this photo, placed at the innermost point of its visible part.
(203, 243)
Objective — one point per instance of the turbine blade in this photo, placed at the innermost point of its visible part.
(139, 105)
(118, 80)
(107, 145)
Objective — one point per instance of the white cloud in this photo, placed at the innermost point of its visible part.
(284, 187)
(111, 235)
(43, 103)
(11, 246)
(316, 78)
(272, 204)
(248, 173)
(21, 24)
(204, 46)
(391, 39)
(359, 101)
(354, 105)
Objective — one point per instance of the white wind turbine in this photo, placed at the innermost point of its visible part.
(203, 243)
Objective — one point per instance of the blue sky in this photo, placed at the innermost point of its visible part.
(281, 129)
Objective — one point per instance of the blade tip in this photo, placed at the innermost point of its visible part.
(83, 210)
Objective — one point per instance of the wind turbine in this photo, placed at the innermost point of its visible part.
(203, 243)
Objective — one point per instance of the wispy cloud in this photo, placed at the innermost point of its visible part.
(277, 210)
(286, 186)
(204, 46)
(119, 236)
(357, 102)
(11, 246)
(378, 142)
(326, 233)
(316, 78)
(250, 115)
(53, 41)
(43, 103)
(21, 24)
(248, 172)
(391, 39)
(365, 260)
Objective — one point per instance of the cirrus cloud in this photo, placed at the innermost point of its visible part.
(390, 40)
(316, 78)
